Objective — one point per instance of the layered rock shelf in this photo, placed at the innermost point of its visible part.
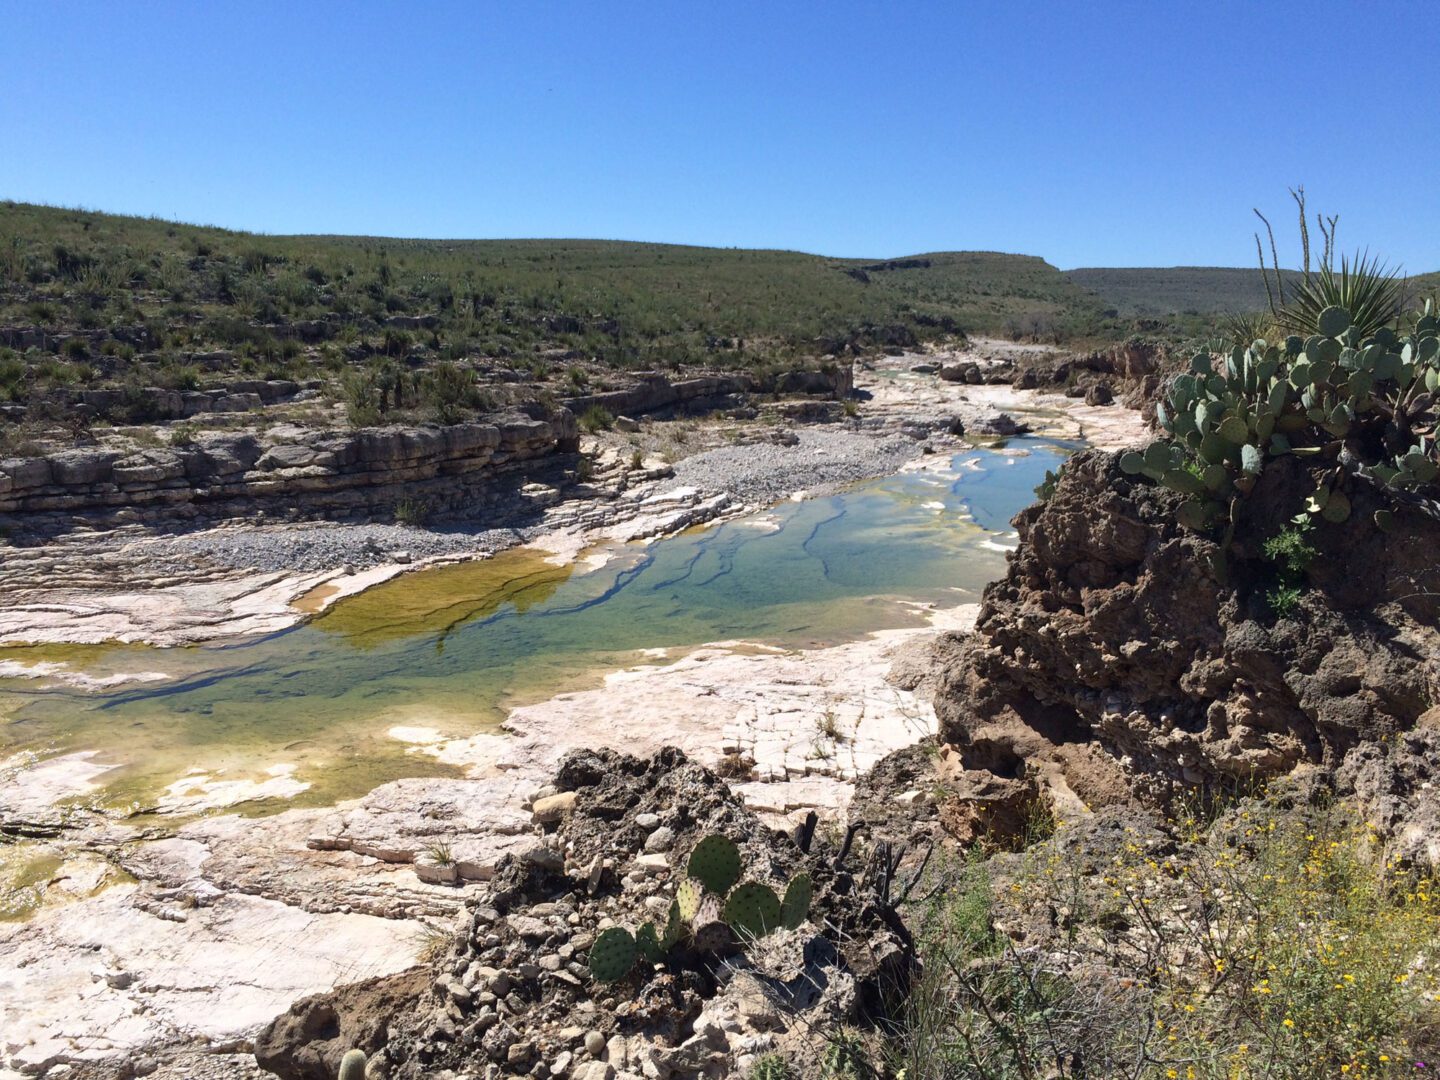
(652, 392)
(292, 472)
(286, 472)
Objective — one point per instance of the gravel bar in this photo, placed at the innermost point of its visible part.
(320, 546)
(822, 461)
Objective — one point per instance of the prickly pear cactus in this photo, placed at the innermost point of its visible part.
(752, 910)
(613, 955)
(712, 933)
(674, 927)
(714, 937)
(687, 895)
(796, 905)
(1332, 397)
(715, 863)
(647, 943)
(352, 1065)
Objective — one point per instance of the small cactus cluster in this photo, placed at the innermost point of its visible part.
(845, 1059)
(1308, 397)
(710, 908)
(770, 1067)
(352, 1065)
(1047, 487)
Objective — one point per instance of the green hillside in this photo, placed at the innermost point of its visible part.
(1157, 292)
(88, 297)
(1165, 292)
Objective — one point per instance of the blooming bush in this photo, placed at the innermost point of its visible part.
(1272, 940)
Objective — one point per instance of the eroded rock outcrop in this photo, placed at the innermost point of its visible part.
(1113, 657)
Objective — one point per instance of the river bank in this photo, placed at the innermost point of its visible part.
(134, 954)
(245, 579)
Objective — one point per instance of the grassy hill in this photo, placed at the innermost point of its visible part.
(1167, 292)
(1157, 292)
(89, 297)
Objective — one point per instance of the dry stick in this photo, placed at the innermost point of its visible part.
(1264, 275)
(844, 853)
(1298, 194)
(915, 877)
(1274, 259)
(1329, 234)
(805, 832)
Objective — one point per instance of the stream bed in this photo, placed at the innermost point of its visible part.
(310, 716)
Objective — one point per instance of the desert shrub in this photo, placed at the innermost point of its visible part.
(184, 435)
(177, 376)
(597, 418)
(360, 393)
(396, 343)
(1276, 942)
(12, 376)
(412, 512)
(450, 393)
(139, 403)
(1290, 553)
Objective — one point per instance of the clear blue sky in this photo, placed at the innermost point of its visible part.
(1092, 134)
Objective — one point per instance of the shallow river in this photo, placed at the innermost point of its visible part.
(453, 648)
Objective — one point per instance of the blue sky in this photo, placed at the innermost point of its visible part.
(1091, 134)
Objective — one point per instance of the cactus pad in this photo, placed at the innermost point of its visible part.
(752, 910)
(1337, 508)
(674, 928)
(715, 863)
(647, 942)
(1333, 321)
(714, 937)
(688, 897)
(613, 955)
(796, 904)
(709, 911)
(352, 1065)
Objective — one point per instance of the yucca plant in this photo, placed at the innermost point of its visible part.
(1371, 291)
(1367, 288)
(1244, 329)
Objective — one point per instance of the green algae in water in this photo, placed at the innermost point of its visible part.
(26, 870)
(36, 873)
(452, 649)
(433, 603)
